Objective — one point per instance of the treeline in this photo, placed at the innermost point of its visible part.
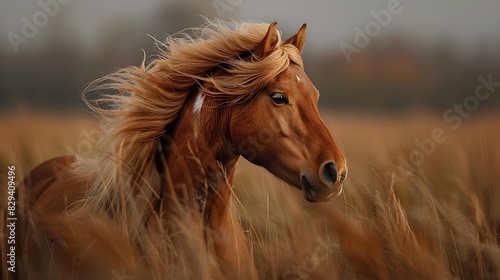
(390, 74)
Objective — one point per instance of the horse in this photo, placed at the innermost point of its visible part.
(173, 130)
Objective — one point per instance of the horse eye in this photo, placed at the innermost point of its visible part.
(279, 98)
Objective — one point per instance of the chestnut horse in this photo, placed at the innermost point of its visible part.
(173, 135)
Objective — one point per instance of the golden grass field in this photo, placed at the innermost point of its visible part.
(437, 220)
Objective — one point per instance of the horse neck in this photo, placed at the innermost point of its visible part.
(202, 161)
(202, 158)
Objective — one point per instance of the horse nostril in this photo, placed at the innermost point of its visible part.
(329, 173)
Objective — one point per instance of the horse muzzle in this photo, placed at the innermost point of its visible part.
(326, 185)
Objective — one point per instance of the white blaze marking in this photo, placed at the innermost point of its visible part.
(198, 103)
(298, 78)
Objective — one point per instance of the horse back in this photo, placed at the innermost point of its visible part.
(52, 186)
(46, 192)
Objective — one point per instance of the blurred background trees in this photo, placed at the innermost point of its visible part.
(406, 66)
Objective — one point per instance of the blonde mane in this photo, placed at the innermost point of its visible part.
(147, 100)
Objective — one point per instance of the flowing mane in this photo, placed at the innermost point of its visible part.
(147, 100)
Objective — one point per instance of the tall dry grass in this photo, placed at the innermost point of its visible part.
(437, 220)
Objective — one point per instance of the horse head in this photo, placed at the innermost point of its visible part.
(282, 131)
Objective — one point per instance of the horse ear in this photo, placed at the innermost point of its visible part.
(267, 45)
(298, 39)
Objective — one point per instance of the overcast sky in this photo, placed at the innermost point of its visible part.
(463, 22)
